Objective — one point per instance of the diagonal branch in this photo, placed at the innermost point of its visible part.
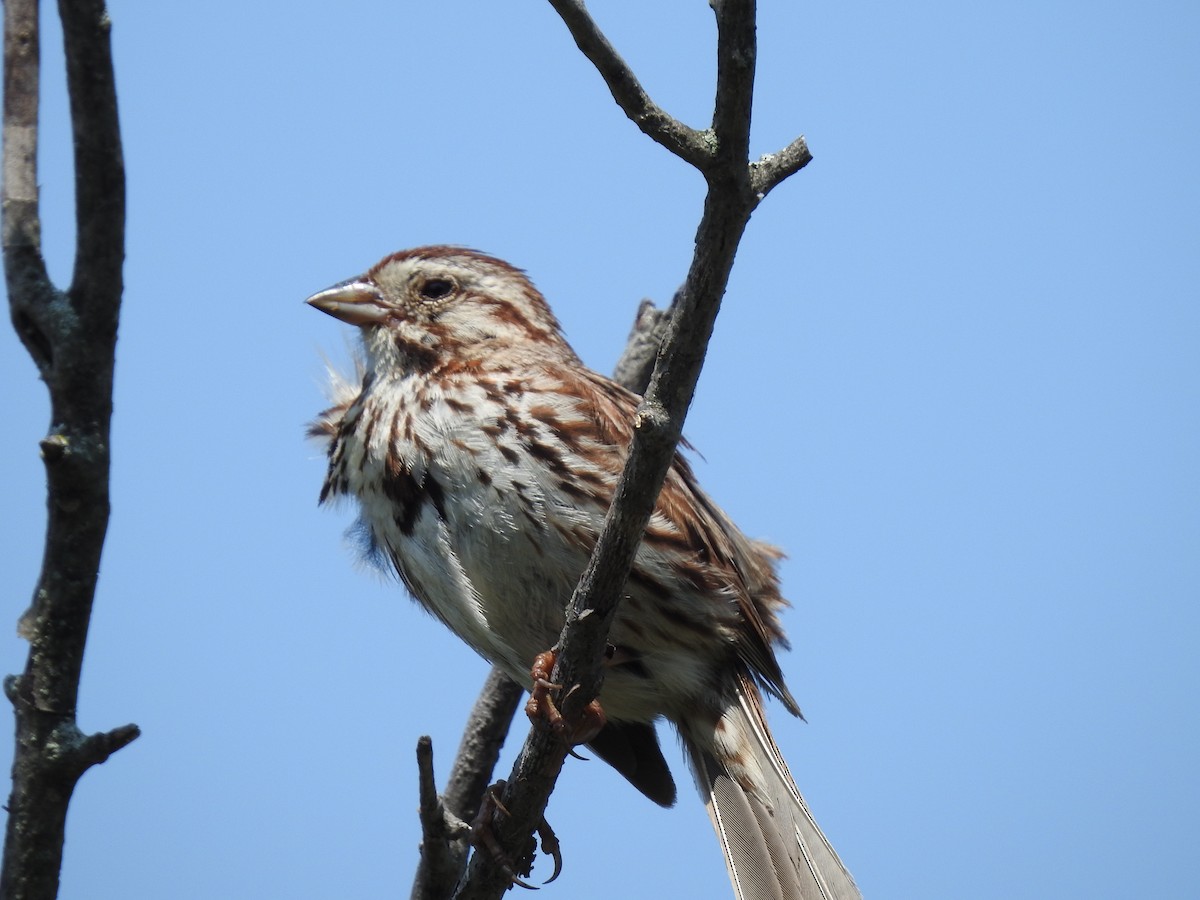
(686, 143)
(733, 193)
(636, 365)
(444, 849)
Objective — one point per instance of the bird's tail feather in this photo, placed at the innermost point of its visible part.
(773, 846)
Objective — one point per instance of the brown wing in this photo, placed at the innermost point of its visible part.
(716, 555)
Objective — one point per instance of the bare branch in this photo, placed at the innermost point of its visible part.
(492, 716)
(735, 187)
(99, 165)
(21, 76)
(443, 851)
(443, 836)
(71, 337)
(736, 56)
(97, 748)
(29, 288)
(482, 740)
(658, 423)
(490, 719)
(686, 143)
(773, 168)
(636, 364)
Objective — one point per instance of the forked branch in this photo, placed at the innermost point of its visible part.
(735, 187)
(71, 336)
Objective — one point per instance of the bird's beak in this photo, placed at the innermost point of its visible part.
(356, 302)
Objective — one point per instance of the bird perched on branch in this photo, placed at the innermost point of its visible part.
(484, 454)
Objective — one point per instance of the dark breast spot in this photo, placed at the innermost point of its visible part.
(434, 489)
(409, 495)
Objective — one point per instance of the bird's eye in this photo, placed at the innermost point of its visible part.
(436, 288)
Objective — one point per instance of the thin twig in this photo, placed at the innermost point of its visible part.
(686, 143)
(636, 365)
(443, 835)
(773, 168)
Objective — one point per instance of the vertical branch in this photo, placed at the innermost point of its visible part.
(443, 849)
(23, 264)
(737, 52)
(99, 166)
(71, 337)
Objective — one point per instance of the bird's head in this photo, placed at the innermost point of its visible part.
(437, 306)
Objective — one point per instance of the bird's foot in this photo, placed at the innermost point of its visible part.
(484, 837)
(542, 709)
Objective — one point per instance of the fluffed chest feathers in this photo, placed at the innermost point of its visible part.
(460, 514)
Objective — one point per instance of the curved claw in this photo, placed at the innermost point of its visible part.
(550, 845)
(484, 838)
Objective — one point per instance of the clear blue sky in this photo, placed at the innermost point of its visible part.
(957, 377)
